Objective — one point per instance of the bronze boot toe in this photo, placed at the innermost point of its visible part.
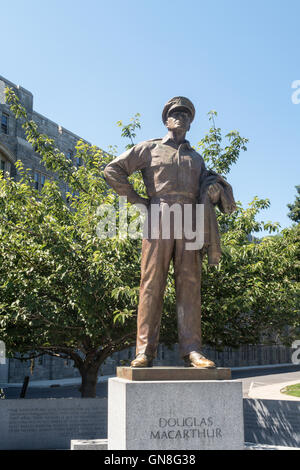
(142, 360)
(195, 359)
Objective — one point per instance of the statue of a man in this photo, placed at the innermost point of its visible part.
(173, 172)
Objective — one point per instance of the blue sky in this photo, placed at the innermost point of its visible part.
(90, 64)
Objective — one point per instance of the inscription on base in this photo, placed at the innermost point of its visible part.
(186, 428)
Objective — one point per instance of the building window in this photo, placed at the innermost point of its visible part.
(69, 154)
(4, 123)
(36, 180)
(5, 166)
(78, 161)
(43, 180)
(39, 180)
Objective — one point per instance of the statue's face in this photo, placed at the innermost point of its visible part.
(178, 119)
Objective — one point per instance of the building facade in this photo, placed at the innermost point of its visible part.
(13, 145)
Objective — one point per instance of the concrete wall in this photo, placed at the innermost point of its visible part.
(49, 423)
(272, 422)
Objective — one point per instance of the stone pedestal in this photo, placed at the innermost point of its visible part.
(175, 414)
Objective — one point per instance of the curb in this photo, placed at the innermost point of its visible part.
(256, 446)
(267, 366)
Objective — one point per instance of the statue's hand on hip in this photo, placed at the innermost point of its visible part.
(214, 191)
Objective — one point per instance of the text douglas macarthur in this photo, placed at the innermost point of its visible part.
(186, 428)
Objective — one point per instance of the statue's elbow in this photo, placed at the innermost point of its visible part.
(106, 173)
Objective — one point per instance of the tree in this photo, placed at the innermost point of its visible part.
(294, 213)
(66, 292)
(252, 295)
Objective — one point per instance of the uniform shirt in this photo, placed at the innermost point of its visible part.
(167, 169)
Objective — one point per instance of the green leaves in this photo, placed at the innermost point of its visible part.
(253, 295)
(217, 158)
(257, 289)
(128, 131)
(294, 213)
(122, 316)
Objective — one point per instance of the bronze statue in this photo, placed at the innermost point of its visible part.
(173, 172)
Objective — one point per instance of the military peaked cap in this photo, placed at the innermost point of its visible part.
(178, 102)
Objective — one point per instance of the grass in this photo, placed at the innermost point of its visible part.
(293, 390)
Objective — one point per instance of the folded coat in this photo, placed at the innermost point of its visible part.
(226, 204)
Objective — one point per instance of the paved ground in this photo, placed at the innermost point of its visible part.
(102, 444)
(251, 378)
(65, 391)
(267, 392)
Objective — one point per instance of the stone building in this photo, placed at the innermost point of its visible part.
(13, 145)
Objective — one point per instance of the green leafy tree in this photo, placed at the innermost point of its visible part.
(294, 213)
(251, 296)
(66, 292)
(63, 290)
(217, 158)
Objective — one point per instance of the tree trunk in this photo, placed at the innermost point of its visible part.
(89, 381)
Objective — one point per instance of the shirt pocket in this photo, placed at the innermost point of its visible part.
(161, 160)
(192, 163)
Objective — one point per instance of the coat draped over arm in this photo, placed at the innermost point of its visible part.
(226, 204)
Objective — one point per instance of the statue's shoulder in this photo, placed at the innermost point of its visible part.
(197, 154)
(148, 144)
(153, 141)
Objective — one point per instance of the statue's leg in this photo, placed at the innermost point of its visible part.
(187, 267)
(156, 257)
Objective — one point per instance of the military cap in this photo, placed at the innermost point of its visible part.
(178, 102)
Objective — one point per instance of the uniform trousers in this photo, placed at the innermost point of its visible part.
(157, 254)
